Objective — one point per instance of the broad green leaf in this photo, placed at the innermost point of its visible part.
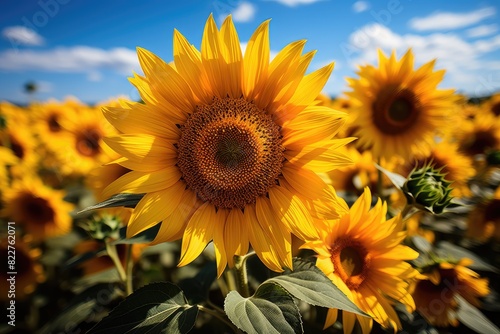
(270, 310)
(308, 283)
(154, 308)
(473, 318)
(141, 238)
(82, 308)
(447, 249)
(126, 200)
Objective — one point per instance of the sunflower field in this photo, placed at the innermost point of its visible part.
(235, 197)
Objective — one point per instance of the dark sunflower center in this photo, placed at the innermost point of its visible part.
(395, 110)
(480, 142)
(230, 152)
(87, 142)
(53, 123)
(16, 147)
(495, 108)
(37, 210)
(351, 261)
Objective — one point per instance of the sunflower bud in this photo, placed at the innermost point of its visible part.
(103, 227)
(427, 189)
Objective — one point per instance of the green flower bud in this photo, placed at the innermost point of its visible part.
(103, 227)
(427, 189)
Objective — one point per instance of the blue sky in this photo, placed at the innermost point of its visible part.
(86, 49)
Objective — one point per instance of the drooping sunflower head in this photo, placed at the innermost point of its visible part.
(363, 256)
(227, 145)
(39, 210)
(399, 109)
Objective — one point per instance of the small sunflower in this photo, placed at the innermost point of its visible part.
(435, 294)
(7, 159)
(40, 210)
(363, 256)
(398, 109)
(226, 146)
(86, 149)
(493, 105)
(19, 139)
(29, 272)
(483, 222)
(478, 135)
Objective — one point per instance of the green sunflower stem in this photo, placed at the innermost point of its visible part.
(241, 275)
(113, 254)
(129, 267)
(380, 186)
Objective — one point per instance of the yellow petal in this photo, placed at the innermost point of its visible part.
(235, 236)
(142, 148)
(188, 63)
(256, 61)
(212, 59)
(292, 212)
(174, 225)
(153, 208)
(198, 233)
(311, 85)
(219, 240)
(231, 50)
(141, 118)
(143, 182)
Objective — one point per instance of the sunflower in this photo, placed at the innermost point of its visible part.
(226, 146)
(493, 105)
(457, 166)
(29, 272)
(479, 135)
(435, 294)
(7, 159)
(483, 222)
(86, 149)
(398, 109)
(47, 119)
(361, 253)
(40, 210)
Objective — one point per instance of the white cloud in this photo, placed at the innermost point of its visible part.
(244, 12)
(446, 20)
(482, 30)
(293, 3)
(360, 6)
(19, 35)
(463, 61)
(77, 59)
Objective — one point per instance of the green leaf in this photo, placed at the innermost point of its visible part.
(396, 179)
(473, 318)
(141, 238)
(154, 308)
(126, 200)
(270, 310)
(308, 283)
(82, 308)
(447, 249)
(196, 288)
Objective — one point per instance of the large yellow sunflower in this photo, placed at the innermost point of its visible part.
(40, 210)
(363, 256)
(227, 146)
(398, 109)
(435, 294)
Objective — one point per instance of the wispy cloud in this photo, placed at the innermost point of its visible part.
(244, 12)
(77, 59)
(464, 61)
(482, 30)
(19, 35)
(293, 3)
(446, 20)
(360, 6)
